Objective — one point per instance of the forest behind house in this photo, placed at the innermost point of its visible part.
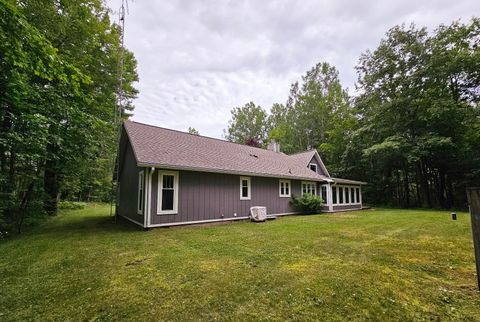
(410, 128)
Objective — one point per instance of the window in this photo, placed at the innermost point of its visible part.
(324, 194)
(313, 167)
(340, 194)
(140, 192)
(245, 188)
(309, 187)
(284, 186)
(358, 194)
(347, 195)
(167, 193)
(352, 195)
(334, 194)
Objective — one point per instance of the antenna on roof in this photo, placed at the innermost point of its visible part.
(118, 110)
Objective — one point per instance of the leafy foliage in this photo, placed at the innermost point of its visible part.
(58, 92)
(192, 130)
(248, 124)
(418, 104)
(411, 131)
(317, 114)
(307, 203)
(71, 205)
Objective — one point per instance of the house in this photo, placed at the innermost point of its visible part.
(167, 178)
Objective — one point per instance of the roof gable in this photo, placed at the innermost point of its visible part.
(306, 158)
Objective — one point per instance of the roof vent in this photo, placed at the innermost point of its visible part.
(274, 146)
(253, 155)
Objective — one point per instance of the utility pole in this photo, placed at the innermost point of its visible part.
(118, 112)
(473, 195)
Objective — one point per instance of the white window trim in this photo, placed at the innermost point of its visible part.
(310, 183)
(314, 164)
(285, 182)
(249, 185)
(350, 202)
(175, 193)
(141, 187)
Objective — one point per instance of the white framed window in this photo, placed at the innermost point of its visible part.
(245, 188)
(284, 188)
(309, 187)
(141, 194)
(313, 167)
(167, 202)
(347, 195)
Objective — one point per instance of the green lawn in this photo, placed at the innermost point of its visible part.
(370, 265)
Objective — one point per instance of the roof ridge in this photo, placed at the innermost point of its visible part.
(302, 152)
(202, 136)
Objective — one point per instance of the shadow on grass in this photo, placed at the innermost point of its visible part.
(85, 224)
(94, 224)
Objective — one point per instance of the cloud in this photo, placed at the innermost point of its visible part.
(199, 59)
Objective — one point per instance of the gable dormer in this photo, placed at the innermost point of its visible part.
(316, 164)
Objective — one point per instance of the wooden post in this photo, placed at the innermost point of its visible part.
(473, 195)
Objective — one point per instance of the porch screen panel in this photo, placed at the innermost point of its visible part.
(324, 193)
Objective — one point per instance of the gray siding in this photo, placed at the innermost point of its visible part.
(319, 168)
(128, 197)
(346, 207)
(206, 196)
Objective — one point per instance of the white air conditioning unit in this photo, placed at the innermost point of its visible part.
(258, 213)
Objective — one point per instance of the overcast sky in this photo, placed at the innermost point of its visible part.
(199, 59)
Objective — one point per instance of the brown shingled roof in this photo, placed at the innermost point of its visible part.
(160, 147)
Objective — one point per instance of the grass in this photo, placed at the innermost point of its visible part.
(370, 265)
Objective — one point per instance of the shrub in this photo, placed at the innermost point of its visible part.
(71, 205)
(307, 203)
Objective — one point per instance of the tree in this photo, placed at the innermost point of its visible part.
(36, 86)
(317, 114)
(248, 124)
(192, 130)
(59, 63)
(84, 36)
(417, 108)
